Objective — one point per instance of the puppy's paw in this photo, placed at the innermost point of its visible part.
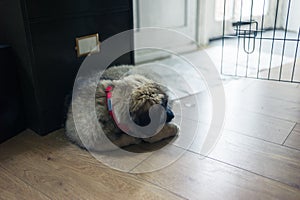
(169, 130)
(176, 129)
(126, 140)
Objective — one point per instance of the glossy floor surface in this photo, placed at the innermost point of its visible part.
(257, 156)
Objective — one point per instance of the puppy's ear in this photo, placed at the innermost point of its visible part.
(142, 98)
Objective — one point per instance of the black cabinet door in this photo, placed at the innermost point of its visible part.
(53, 27)
(59, 8)
(11, 112)
(42, 33)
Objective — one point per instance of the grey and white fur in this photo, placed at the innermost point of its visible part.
(140, 92)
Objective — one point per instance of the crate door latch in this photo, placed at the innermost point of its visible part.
(245, 30)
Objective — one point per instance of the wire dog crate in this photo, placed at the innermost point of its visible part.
(261, 46)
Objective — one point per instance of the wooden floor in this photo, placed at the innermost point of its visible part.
(257, 157)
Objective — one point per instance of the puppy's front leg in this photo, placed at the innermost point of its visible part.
(126, 140)
(167, 131)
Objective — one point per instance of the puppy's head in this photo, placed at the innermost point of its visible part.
(143, 98)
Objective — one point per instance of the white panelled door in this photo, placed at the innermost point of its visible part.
(179, 15)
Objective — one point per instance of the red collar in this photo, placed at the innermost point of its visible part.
(108, 92)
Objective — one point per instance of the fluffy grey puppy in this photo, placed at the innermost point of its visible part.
(137, 92)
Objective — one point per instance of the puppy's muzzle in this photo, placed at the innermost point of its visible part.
(144, 118)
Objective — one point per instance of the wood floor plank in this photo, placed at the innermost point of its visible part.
(13, 188)
(286, 72)
(195, 107)
(267, 159)
(288, 92)
(239, 167)
(257, 125)
(59, 171)
(270, 160)
(198, 108)
(54, 180)
(65, 151)
(264, 104)
(196, 178)
(294, 138)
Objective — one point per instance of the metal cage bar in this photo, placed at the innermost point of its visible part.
(295, 58)
(250, 30)
(260, 40)
(273, 39)
(239, 39)
(284, 40)
(223, 38)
